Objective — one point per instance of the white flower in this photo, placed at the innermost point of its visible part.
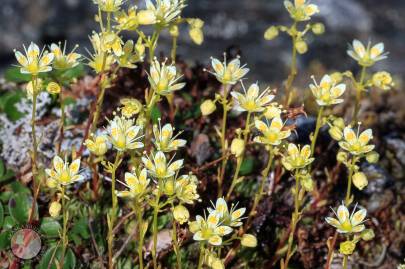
(356, 144)
(367, 56)
(346, 223)
(251, 101)
(210, 229)
(136, 183)
(62, 59)
(164, 139)
(123, 134)
(227, 217)
(165, 11)
(163, 78)
(34, 61)
(159, 167)
(327, 92)
(272, 134)
(63, 173)
(228, 74)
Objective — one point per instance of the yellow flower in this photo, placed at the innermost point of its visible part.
(136, 183)
(383, 80)
(360, 180)
(228, 74)
(63, 173)
(327, 92)
(271, 134)
(159, 167)
(227, 217)
(251, 101)
(123, 134)
(62, 60)
(186, 188)
(34, 61)
(271, 112)
(164, 139)
(98, 145)
(367, 56)
(300, 10)
(207, 107)
(210, 229)
(99, 60)
(130, 55)
(346, 223)
(165, 11)
(297, 158)
(164, 78)
(354, 143)
(109, 5)
(54, 209)
(181, 214)
(131, 107)
(53, 88)
(347, 247)
(127, 20)
(249, 240)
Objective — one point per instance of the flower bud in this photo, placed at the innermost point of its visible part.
(318, 28)
(197, 35)
(341, 156)
(336, 133)
(169, 187)
(174, 31)
(367, 234)
(51, 183)
(181, 214)
(217, 264)
(347, 247)
(301, 46)
(249, 240)
(307, 183)
(272, 112)
(146, 17)
(194, 226)
(372, 157)
(360, 180)
(237, 146)
(54, 209)
(339, 122)
(140, 48)
(207, 107)
(271, 33)
(337, 77)
(53, 88)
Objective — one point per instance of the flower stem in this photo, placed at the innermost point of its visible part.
(62, 121)
(317, 128)
(344, 262)
(175, 242)
(221, 175)
(155, 229)
(201, 258)
(64, 228)
(349, 181)
(139, 214)
(241, 157)
(294, 221)
(174, 49)
(293, 70)
(359, 89)
(113, 210)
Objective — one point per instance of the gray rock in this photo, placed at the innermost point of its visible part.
(378, 178)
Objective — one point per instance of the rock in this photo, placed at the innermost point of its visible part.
(380, 201)
(378, 178)
(304, 127)
(200, 148)
(397, 146)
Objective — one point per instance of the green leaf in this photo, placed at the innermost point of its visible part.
(9, 102)
(17, 187)
(155, 114)
(9, 223)
(19, 207)
(50, 227)
(53, 254)
(247, 166)
(13, 74)
(5, 238)
(1, 215)
(81, 228)
(2, 169)
(72, 73)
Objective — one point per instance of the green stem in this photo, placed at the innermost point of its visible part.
(113, 210)
(224, 102)
(139, 214)
(155, 229)
(259, 194)
(241, 157)
(293, 69)
(344, 263)
(62, 120)
(174, 49)
(317, 128)
(349, 181)
(175, 242)
(201, 258)
(359, 88)
(64, 228)
(294, 222)
(153, 44)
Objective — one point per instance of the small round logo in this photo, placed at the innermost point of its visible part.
(26, 244)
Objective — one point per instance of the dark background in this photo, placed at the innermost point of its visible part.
(239, 23)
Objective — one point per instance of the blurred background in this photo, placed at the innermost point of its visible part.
(236, 24)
